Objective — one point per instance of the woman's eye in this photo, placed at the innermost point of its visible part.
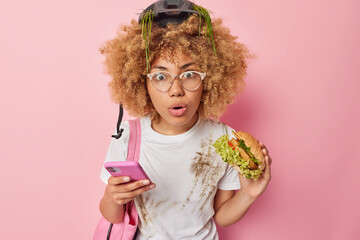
(189, 75)
(160, 77)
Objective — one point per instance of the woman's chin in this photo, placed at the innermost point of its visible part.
(178, 122)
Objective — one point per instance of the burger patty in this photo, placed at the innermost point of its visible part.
(244, 155)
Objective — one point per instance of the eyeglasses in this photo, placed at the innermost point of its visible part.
(189, 80)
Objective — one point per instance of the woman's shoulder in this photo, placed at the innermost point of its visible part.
(216, 127)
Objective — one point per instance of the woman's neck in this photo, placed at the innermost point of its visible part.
(164, 127)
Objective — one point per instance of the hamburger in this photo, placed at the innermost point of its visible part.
(243, 151)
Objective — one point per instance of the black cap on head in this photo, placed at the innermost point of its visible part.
(164, 12)
(170, 11)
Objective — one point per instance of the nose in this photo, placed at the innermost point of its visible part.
(176, 89)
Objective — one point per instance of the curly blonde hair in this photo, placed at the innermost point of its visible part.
(225, 71)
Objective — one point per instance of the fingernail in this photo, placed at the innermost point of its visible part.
(152, 185)
(146, 182)
(262, 167)
(126, 179)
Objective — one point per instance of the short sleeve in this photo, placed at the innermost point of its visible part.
(230, 180)
(117, 151)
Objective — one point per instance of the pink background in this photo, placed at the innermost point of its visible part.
(302, 100)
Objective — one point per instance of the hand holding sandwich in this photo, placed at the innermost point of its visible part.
(250, 158)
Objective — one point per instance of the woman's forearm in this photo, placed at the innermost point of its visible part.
(233, 209)
(110, 210)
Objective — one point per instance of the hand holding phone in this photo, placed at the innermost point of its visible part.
(120, 190)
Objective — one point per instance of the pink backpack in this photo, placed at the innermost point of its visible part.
(127, 229)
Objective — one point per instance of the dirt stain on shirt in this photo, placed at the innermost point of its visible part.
(144, 216)
(149, 209)
(206, 169)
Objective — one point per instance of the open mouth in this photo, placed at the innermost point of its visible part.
(177, 109)
(177, 106)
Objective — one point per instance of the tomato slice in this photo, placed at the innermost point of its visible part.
(230, 144)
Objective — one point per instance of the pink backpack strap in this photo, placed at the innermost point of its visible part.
(134, 140)
(127, 229)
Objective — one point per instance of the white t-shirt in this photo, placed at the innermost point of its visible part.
(187, 172)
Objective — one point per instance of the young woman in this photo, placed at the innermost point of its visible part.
(178, 84)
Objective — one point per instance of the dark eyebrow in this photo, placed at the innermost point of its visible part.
(160, 67)
(182, 67)
(187, 65)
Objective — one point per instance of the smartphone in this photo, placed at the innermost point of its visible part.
(131, 169)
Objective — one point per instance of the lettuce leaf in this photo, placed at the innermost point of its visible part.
(233, 158)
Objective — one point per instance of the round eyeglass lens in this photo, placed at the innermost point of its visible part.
(190, 80)
(162, 81)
